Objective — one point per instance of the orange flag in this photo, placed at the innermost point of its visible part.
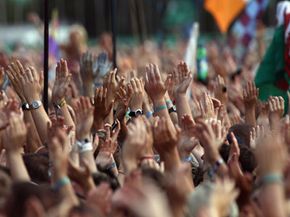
(224, 11)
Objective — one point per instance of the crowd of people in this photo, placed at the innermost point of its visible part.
(146, 139)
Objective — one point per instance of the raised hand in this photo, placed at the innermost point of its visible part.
(86, 67)
(138, 143)
(102, 106)
(207, 138)
(14, 73)
(108, 147)
(276, 106)
(271, 154)
(250, 95)
(103, 64)
(84, 118)
(224, 187)
(207, 107)
(187, 141)
(14, 136)
(256, 134)
(220, 90)
(183, 79)
(154, 85)
(31, 86)
(137, 87)
(219, 131)
(123, 97)
(111, 84)
(62, 81)
(165, 136)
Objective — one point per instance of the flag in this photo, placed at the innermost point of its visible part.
(245, 27)
(272, 77)
(225, 11)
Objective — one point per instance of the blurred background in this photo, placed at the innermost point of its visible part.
(137, 20)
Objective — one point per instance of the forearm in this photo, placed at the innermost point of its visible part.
(88, 157)
(160, 109)
(33, 139)
(66, 190)
(17, 167)
(88, 89)
(171, 159)
(98, 124)
(68, 121)
(182, 107)
(40, 119)
(273, 200)
(250, 116)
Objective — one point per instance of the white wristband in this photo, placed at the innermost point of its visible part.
(84, 147)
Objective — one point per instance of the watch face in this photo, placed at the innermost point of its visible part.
(35, 104)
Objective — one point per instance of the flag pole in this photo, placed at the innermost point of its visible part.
(45, 55)
(114, 33)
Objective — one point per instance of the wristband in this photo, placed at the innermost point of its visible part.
(147, 157)
(60, 104)
(172, 109)
(187, 159)
(149, 114)
(212, 170)
(25, 106)
(84, 146)
(271, 178)
(159, 108)
(169, 103)
(61, 183)
(112, 166)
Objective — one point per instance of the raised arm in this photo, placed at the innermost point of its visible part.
(183, 81)
(14, 138)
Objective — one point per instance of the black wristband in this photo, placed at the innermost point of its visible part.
(25, 106)
(172, 109)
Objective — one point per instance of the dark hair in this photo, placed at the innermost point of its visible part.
(247, 159)
(101, 177)
(22, 191)
(154, 175)
(37, 166)
(242, 133)
(83, 209)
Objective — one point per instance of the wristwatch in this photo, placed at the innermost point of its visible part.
(25, 106)
(35, 104)
(136, 113)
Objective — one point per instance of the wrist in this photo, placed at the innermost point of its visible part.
(158, 101)
(271, 178)
(32, 98)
